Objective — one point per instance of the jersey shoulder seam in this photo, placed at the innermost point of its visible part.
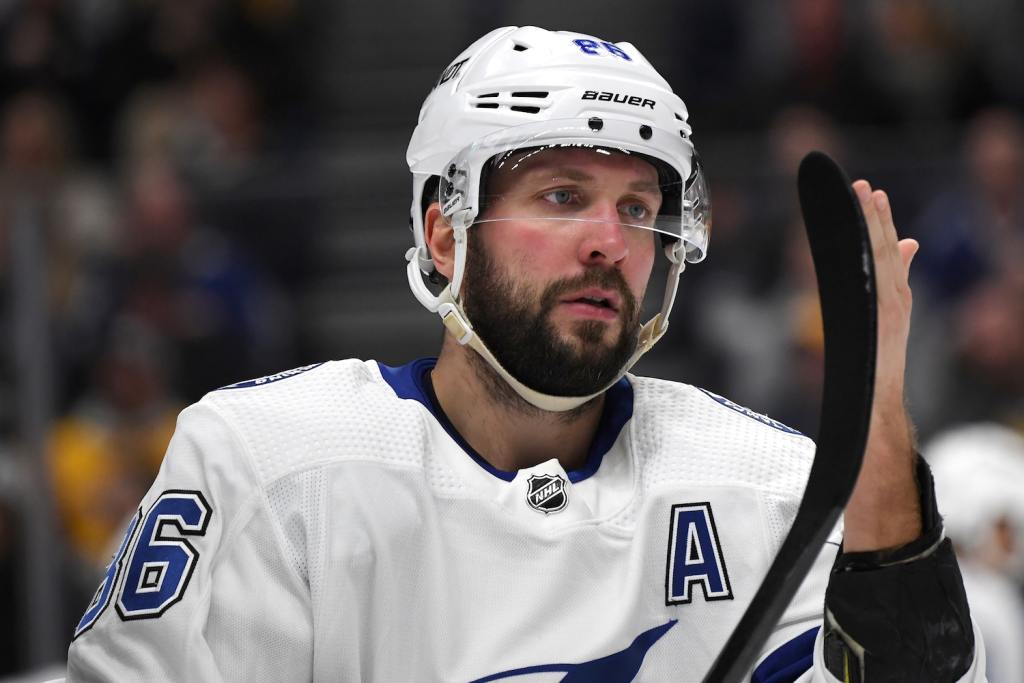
(259, 491)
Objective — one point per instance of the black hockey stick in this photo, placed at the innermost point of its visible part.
(846, 287)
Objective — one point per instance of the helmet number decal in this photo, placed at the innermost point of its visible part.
(594, 47)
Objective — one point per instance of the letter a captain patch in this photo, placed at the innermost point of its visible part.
(694, 556)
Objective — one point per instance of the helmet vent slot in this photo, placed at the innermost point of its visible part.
(519, 47)
(486, 105)
(520, 101)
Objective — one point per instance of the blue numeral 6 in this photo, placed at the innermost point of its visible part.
(161, 564)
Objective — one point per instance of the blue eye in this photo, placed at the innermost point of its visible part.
(560, 197)
(636, 211)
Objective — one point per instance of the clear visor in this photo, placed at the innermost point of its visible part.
(588, 181)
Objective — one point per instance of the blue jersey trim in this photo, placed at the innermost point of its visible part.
(269, 379)
(763, 419)
(788, 661)
(412, 381)
(619, 667)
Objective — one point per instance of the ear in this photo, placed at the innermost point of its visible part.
(440, 238)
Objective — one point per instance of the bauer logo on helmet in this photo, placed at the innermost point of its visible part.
(605, 96)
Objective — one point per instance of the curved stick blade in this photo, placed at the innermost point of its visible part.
(844, 266)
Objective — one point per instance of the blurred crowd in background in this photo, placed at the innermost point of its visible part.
(173, 158)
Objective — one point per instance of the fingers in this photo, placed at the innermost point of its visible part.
(892, 258)
(884, 213)
(881, 228)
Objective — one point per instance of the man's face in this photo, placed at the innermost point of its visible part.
(554, 281)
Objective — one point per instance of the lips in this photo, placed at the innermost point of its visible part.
(598, 298)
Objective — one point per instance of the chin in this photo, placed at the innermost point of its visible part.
(590, 333)
(588, 351)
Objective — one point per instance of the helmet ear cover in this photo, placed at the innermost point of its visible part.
(430, 196)
(430, 190)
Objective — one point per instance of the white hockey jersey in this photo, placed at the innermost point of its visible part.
(329, 524)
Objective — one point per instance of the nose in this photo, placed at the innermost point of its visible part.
(602, 238)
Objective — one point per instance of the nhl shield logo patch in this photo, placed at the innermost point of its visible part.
(546, 493)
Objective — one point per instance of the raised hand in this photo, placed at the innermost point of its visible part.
(883, 511)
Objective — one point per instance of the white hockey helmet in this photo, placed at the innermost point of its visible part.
(979, 476)
(526, 90)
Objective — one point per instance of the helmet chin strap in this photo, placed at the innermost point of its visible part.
(457, 323)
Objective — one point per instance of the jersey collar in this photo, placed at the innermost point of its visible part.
(412, 381)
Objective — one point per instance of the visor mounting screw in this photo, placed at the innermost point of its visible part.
(646, 132)
(595, 123)
(451, 171)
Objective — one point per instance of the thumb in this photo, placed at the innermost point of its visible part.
(908, 248)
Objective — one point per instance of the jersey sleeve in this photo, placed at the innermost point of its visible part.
(789, 651)
(200, 588)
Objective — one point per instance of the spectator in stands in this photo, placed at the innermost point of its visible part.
(975, 229)
(107, 450)
(225, 317)
(761, 315)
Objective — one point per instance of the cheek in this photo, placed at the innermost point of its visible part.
(643, 249)
(529, 249)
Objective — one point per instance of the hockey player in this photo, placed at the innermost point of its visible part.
(979, 469)
(521, 508)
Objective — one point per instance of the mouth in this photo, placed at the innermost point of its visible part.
(599, 298)
(594, 303)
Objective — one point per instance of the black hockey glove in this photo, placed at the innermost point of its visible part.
(900, 615)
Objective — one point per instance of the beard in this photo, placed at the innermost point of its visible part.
(522, 337)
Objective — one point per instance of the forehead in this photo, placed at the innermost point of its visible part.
(573, 163)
